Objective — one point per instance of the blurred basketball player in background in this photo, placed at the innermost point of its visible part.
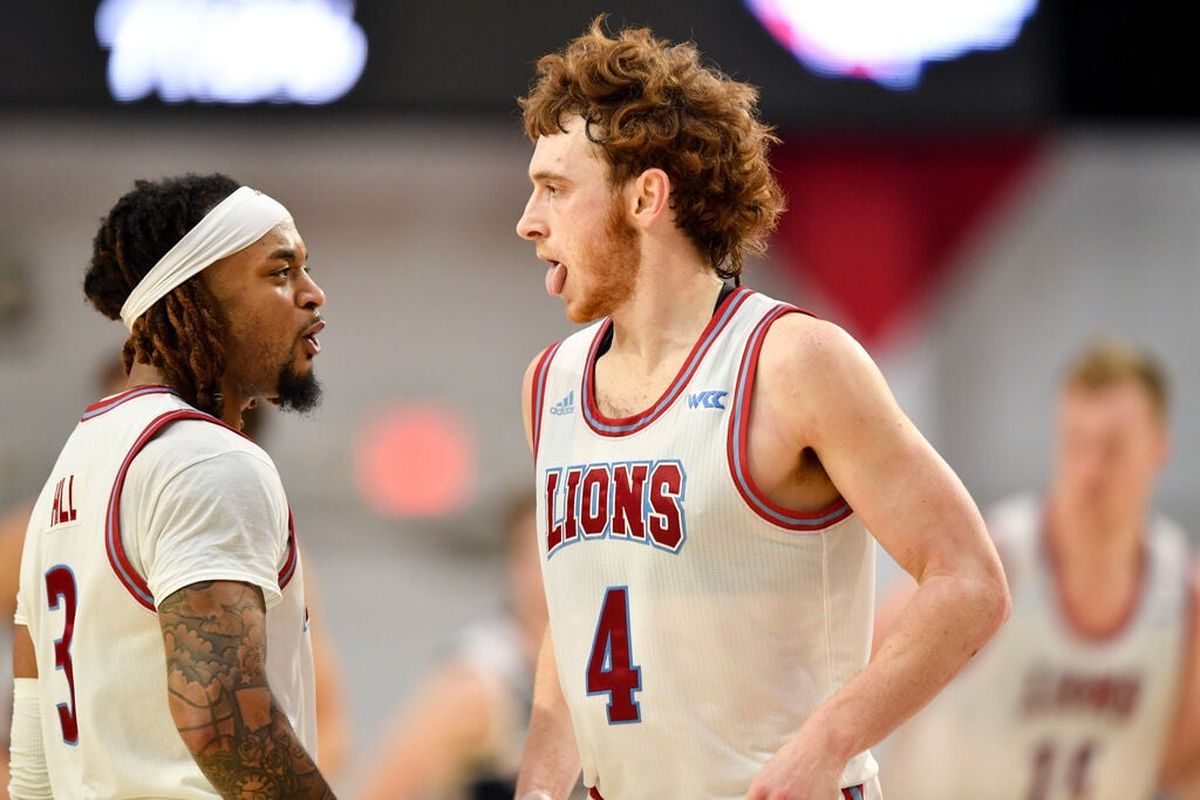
(1092, 689)
(461, 735)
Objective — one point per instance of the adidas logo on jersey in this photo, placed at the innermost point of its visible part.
(564, 406)
(709, 399)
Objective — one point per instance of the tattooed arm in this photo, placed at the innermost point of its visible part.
(216, 643)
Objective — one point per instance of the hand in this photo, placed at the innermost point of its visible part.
(799, 771)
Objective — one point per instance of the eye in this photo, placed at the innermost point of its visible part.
(282, 273)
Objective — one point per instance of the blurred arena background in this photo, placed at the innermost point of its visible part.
(975, 205)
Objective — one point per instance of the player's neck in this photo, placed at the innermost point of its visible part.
(1093, 546)
(667, 311)
(144, 375)
(148, 375)
(1098, 570)
(232, 405)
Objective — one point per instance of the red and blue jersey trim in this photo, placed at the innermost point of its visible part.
(117, 558)
(122, 567)
(739, 426)
(624, 426)
(541, 374)
(108, 404)
(288, 571)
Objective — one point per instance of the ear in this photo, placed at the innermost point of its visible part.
(650, 197)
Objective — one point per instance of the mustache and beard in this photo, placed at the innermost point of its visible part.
(291, 388)
(298, 392)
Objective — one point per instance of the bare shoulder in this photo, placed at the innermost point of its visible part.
(527, 394)
(801, 348)
(531, 371)
(811, 369)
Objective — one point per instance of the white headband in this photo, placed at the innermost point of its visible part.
(234, 224)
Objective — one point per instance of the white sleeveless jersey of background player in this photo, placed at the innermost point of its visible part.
(1046, 713)
(696, 625)
(110, 536)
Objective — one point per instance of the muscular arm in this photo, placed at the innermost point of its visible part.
(825, 393)
(216, 645)
(1181, 764)
(550, 763)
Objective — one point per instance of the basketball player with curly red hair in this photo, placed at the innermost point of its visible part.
(712, 465)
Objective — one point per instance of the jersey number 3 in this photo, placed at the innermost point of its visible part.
(60, 586)
(610, 669)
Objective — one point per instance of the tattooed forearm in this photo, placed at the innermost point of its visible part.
(216, 643)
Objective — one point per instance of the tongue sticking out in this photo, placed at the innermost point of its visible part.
(556, 276)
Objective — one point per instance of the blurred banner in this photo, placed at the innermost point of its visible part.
(917, 64)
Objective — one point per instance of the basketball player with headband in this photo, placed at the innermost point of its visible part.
(163, 536)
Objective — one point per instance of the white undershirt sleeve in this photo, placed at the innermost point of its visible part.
(222, 518)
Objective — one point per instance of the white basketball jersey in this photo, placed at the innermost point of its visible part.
(106, 725)
(696, 624)
(1046, 712)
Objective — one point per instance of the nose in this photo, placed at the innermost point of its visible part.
(531, 225)
(309, 294)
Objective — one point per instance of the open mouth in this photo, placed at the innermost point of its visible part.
(556, 278)
(311, 343)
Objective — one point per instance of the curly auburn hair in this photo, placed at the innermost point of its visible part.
(181, 334)
(649, 103)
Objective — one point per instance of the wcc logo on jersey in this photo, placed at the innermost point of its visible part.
(636, 501)
(709, 399)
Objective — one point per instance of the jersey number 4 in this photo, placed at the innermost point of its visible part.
(60, 587)
(611, 669)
